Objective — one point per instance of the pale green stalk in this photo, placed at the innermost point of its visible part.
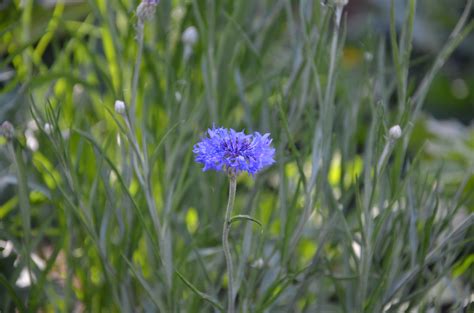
(326, 129)
(136, 71)
(142, 169)
(225, 243)
(24, 203)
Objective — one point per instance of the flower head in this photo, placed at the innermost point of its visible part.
(234, 152)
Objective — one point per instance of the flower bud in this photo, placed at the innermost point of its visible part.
(178, 96)
(190, 36)
(7, 130)
(368, 56)
(146, 9)
(48, 128)
(120, 107)
(395, 132)
(259, 263)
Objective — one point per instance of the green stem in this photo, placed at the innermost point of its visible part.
(136, 71)
(225, 243)
(24, 203)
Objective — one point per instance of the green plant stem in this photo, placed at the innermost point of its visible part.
(24, 202)
(136, 71)
(385, 154)
(142, 169)
(225, 243)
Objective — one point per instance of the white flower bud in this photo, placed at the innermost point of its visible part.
(66, 134)
(120, 107)
(178, 96)
(32, 125)
(48, 128)
(259, 263)
(368, 56)
(395, 132)
(32, 143)
(190, 36)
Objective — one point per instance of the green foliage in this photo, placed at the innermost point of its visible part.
(119, 216)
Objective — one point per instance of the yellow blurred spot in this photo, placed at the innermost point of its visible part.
(36, 196)
(274, 99)
(277, 290)
(266, 208)
(352, 57)
(225, 280)
(192, 220)
(353, 170)
(111, 56)
(133, 189)
(306, 248)
(8, 206)
(96, 275)
(275, 228)
(463, 266)
(246, 180)
(50, 175)
(60, 87)
(334, 175)
(291, 169)
(163, 118)
(140, 257)
(239, 113)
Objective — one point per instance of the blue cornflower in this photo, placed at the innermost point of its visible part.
(234, 152)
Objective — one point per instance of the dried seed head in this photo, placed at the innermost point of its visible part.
(146, 9)
(7, 130)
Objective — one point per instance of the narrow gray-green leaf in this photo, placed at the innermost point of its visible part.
(244, 217)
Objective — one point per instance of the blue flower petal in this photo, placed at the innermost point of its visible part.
(234, 152)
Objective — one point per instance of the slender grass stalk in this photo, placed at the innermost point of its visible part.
(145, 11)
(394, 133)
(326, 129)
(24, 202)
(333, 54)
(225, 243)
(136, 71)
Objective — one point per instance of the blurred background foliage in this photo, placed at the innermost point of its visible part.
(68, 61)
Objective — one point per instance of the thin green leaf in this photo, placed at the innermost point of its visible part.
(201, 294)
(244, 217)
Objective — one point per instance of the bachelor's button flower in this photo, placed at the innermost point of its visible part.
(234, 152)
